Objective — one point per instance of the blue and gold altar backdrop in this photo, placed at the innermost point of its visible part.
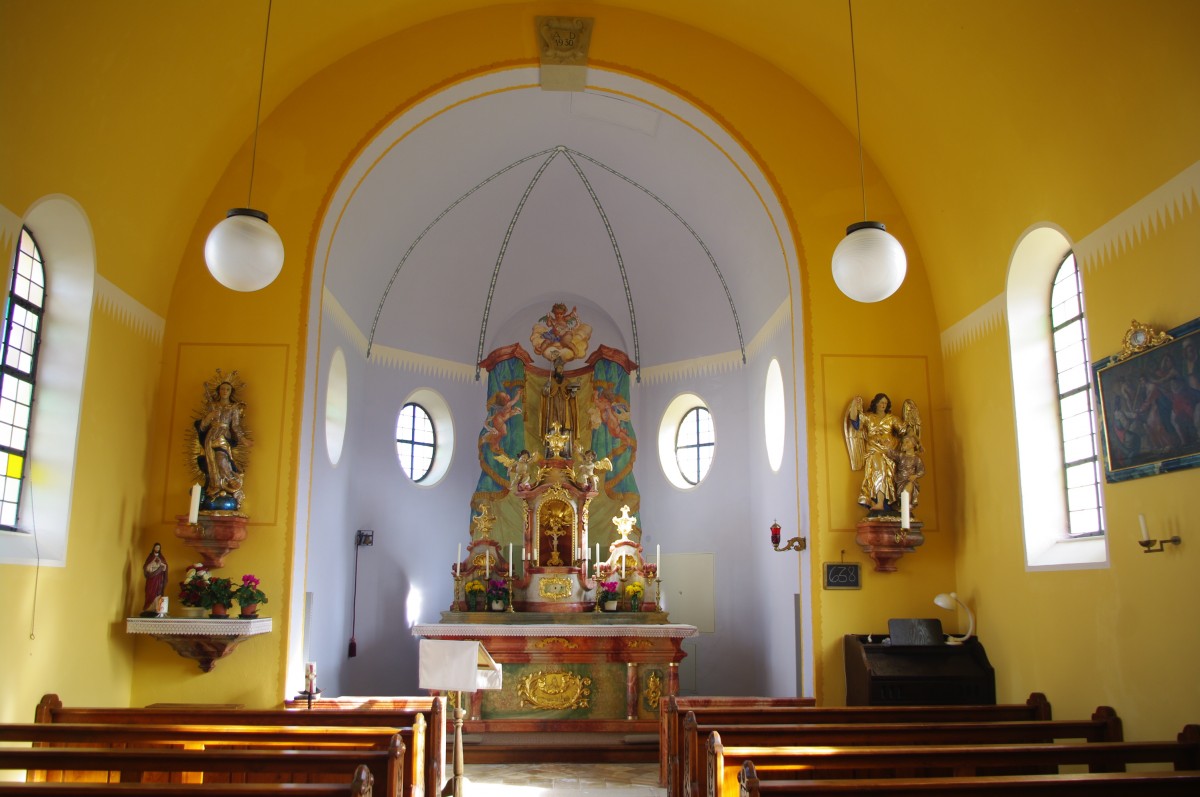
(511, 424)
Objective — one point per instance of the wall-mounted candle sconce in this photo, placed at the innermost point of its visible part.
(794, 544)
(1154, 546)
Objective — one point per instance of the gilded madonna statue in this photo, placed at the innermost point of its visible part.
(885, 448)
(220, 447)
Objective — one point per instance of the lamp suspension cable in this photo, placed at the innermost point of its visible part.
(262, 77)
(862, 178)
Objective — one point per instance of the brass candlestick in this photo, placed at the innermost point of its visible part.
(456, 601)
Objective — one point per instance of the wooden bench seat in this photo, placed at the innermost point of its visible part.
(360, 786)
(1104, 726)
(786, 711)
(1109, 784)
(432, 748)
(804, 763)
(164, 765)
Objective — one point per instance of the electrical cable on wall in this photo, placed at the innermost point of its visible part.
(353, 650)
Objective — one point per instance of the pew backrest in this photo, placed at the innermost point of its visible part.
(1109, 784)
(785, 711)
(361, 785)
(50, 709)
(1104, 726)
(804, 763)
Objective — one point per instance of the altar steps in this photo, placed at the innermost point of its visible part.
(575, 747)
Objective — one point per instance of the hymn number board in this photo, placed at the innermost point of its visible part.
(842, 575)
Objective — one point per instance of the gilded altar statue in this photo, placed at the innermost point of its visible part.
(875, 441)
(220, 447)
(559, 406)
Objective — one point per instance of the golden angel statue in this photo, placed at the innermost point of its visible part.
(586, 476)
(873, 441)
(523, 472)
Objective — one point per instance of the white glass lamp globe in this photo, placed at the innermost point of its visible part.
(243, 252)
(869, 264)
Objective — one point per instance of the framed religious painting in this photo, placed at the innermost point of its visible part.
(1149, 400)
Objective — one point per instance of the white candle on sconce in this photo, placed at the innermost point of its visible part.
(904, 511)
(1142, 523)
(194, 506)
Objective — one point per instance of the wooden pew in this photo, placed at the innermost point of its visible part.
(807, 763)
(138, 765)
(1104, 726)
(121, 736)
(1108, 784)
(360, 786)
(432, 749)
(671, 706)
(738, 711)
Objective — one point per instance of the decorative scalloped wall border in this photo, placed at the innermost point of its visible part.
(1165, 205)
(129, 311)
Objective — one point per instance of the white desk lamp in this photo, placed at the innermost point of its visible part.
(457, 666)
(947, 600)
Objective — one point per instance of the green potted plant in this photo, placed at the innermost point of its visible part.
(248, 596)
(217, 597)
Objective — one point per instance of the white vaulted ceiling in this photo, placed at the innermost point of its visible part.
(471, 205)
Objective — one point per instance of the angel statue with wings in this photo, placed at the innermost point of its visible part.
(523, 472)
(873, 440)
(586, 475)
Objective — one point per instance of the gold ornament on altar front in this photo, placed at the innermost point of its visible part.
(554, 588)
(555, 691)
(652, 693)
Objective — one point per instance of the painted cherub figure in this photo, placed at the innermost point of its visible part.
(586, 476)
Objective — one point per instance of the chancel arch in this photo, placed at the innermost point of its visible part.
(433, 248)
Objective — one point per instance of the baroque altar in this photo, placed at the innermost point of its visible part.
(555, 582)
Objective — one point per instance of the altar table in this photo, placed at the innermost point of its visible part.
(574, 671)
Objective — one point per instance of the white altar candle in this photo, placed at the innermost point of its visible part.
(1142, 523)
(523, 557)
(904, 514)
(658, 560)
(597, 552)
(510, 562)
(622, 567)
(487, 564)
(458, 562)
(194, 506)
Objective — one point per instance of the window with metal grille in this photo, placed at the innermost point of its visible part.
(1077, 412)
(694, 443)
(18, 371)
(416, 441)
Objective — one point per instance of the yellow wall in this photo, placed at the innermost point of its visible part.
(1121, 636)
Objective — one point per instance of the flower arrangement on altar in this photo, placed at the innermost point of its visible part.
(634, 590)
(247, 594)
(474, 585)
(193, 586)
(497, 590)
(608, 592)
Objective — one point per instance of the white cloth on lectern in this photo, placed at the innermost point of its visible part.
(457, 666)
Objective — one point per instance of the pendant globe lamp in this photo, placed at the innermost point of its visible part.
(243, 252)
(869, 264)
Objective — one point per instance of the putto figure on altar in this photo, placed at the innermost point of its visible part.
(560, 335)
(886, 448)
